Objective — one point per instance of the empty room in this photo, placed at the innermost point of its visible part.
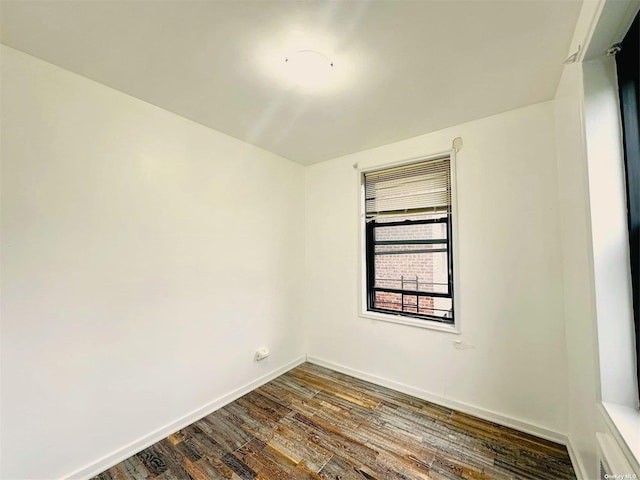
(339, 240)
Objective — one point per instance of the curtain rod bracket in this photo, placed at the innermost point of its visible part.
(574, 57)
(457, 144)
(613, 49)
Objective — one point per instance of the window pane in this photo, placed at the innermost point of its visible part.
(424, 272)
(432, 306)
(412, 266)
(388, 301)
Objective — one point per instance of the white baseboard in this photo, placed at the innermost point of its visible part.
(578, 467)
(134, 447)
(624, 424)
(489, 415)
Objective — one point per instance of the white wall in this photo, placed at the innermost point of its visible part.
(577, 261)
(595, 253)
(597, 293)
(610, 233)
(130, 237)
(510, 274)
(144, 259)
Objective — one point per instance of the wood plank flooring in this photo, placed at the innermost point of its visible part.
(314, 423)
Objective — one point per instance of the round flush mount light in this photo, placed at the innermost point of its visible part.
(307, 63)
(309, 68)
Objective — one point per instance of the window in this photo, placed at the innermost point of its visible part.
(629, 90)
(408, 241)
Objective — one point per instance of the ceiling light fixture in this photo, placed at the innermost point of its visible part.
(309, 68)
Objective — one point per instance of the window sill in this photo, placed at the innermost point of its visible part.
(412, 322)
(625, 424)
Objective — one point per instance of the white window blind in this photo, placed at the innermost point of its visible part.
(416, 189)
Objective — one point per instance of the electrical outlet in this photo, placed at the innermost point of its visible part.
(460, 345)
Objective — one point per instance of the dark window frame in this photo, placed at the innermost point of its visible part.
(628, 70)
(370, 244)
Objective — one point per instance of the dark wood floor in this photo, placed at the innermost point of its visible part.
(313, 423)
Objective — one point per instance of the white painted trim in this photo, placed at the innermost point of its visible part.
(145, 441)
(482, 413)
(578, 467)
(134, 447)
(413, 322)
(593, 15)
(622, 422)
(453, 162)
(611, 457)
(609, 25)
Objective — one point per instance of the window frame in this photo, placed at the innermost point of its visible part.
(370, 261)
(407, 318)
(628, 87)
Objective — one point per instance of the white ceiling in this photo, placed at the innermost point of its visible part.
(405, 67)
